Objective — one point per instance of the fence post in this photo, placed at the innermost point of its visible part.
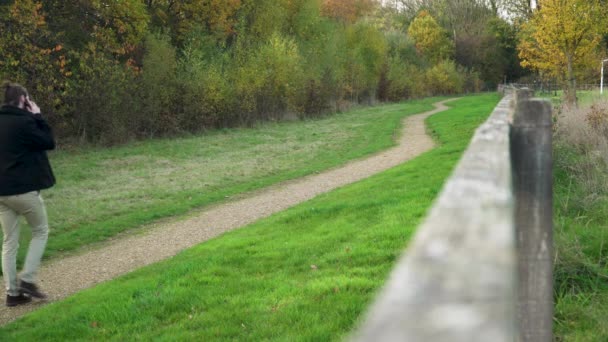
(531, 153)
(521, 95)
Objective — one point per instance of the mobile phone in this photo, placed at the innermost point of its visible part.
(26, 103)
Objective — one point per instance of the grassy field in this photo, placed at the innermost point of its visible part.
(581, 269)
(103, 192)
(305, 274)
(581, 213)
(585, 97)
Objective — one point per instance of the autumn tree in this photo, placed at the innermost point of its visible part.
(29, 52)
(215, 18)
(113, 27)
(432, 40)
(499, 53)
(562, 40)
(185, 65)
(512, 8)
(348, 11)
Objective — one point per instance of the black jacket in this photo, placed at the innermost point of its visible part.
(24, 139)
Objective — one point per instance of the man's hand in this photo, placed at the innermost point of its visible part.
(32, 107)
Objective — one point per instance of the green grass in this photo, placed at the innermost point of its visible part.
(584, 96)
(580, 216)
(581, 269)
(103, 192)
(305, 274)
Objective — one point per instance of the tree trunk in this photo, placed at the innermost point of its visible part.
(570, 92)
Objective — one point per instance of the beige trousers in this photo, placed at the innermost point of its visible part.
(31, 206)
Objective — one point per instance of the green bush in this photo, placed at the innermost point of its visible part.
(402, 68)
(444, 79)
(105, 110)
(207, 98)
(278, 61)
(472, 81)
(158, 88)
(363, 57)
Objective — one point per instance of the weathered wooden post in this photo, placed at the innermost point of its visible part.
(521, 95)
(531, 154)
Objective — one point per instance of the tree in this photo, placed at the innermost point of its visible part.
(431, 40)
(29, 52)
(517, 9)
(501, 58)
(216, 18)
(562, 40)
(114, 27)
(348, 11)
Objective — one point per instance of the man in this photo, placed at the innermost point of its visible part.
(24, 171)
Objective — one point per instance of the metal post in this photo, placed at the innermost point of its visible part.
(532, 182)
(602, 77)
(602, 80)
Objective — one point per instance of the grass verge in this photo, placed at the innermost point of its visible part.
(581, 263)
(581, 213)
(305, 274)
(103, 192)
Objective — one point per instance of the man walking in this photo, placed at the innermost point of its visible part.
(24, 170)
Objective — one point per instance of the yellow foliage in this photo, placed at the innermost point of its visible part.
(562, 38)
(431, 39)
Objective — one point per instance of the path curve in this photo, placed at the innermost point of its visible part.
(63, 277)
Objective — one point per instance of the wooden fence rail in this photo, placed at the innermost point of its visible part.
(479, 266)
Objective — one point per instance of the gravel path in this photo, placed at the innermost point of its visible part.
(63, 277)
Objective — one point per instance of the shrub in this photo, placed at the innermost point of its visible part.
(207, 98)
(444, 79)
(158, 88)
(585, 129)
(104, 110)
(597, 118)
(317, 96)
(472, 81)
(281, 71)
(397, 77)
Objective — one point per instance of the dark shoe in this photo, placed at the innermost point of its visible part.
(17, 300)
(31, 289)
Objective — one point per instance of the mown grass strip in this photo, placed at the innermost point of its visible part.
(105, 191)
(305, 274)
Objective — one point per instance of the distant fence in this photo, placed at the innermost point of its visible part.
(479, 267)
(544, 88)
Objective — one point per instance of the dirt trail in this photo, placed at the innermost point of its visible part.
(63, 277)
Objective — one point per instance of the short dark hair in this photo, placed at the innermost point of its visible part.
(12, 93)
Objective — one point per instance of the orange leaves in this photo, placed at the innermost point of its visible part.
(30, 52)
(28, 13)
(132, 64)
(221, 15)
(217, 17)
(423, 13)
(62, 63)
(348, 11)
(48, 51)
